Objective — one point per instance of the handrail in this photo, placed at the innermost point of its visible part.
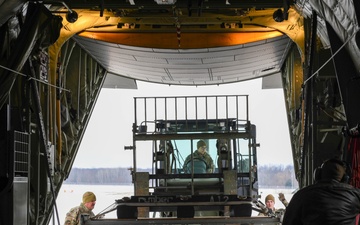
(189, 108)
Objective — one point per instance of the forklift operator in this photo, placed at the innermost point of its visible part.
(202, 156)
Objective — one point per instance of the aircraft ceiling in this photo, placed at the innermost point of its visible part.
(203, 66)
(193, 42)
(186, 42)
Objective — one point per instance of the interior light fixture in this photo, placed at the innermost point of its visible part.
(71, 16)
(278, 15)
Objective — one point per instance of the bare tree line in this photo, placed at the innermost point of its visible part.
(277, 176)
(99, 176)
(268, 175)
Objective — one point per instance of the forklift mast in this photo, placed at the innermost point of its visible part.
(169, 128)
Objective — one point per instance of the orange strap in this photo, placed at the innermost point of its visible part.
(353, 147)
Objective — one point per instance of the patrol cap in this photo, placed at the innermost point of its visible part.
(333, 169)
(201, 143)
(269, 197)
(88, 197)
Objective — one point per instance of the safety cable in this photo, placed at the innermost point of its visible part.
(108, 209)
(43, 133)
(33, 78)
(337, 51)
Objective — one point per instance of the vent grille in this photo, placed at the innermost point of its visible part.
(21, 151)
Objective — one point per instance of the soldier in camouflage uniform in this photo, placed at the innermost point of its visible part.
(85, 207)
(269, 208)
(201, 154)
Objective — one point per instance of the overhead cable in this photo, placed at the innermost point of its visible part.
(337, 51)
(32, 78)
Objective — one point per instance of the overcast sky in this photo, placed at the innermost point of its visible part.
(110, 126)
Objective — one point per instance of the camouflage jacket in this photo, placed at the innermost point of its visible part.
(210, 167)
(267, 212)
(73, 216)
